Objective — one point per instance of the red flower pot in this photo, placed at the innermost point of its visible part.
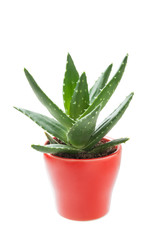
(83, 187)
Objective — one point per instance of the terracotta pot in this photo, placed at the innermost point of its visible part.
(83, 187)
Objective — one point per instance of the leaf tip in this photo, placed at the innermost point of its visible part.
(126, 139)
(83, 75)
(16, 108)
(47, 135)
(25, 71)
(69, 58)
(34, 146)
(125, 59)
(111, 65)
(131, 94)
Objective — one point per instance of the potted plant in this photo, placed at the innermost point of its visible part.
(82, 164)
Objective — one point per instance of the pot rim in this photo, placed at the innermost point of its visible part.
(118, 150)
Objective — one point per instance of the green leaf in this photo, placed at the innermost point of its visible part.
(108, 90)
(81, 131)
(99, 84)
(50, 139)
(70, 80)
(109, 122)
(48, 124)
(55, 111)
(102, 148)
(80, 98)
(55, 148)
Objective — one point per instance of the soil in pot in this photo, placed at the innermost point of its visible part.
(86, 155)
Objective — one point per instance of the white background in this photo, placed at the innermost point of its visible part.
(38, 35)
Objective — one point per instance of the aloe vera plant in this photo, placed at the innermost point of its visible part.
(75, 128)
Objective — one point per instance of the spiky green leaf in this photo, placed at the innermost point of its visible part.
(104, 96)
(70, 80)
(55, 111)
(50, 139)
(81, 131)
(55, 148)
(109, 123)
(48, 124)
(102, 148)
(99, 84)
(80, 98)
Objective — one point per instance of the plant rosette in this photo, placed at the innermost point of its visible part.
(82, 164)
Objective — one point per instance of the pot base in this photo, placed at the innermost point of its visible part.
(86, 219)
(84, 207)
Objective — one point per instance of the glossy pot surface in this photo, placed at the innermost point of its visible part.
(83, 187)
